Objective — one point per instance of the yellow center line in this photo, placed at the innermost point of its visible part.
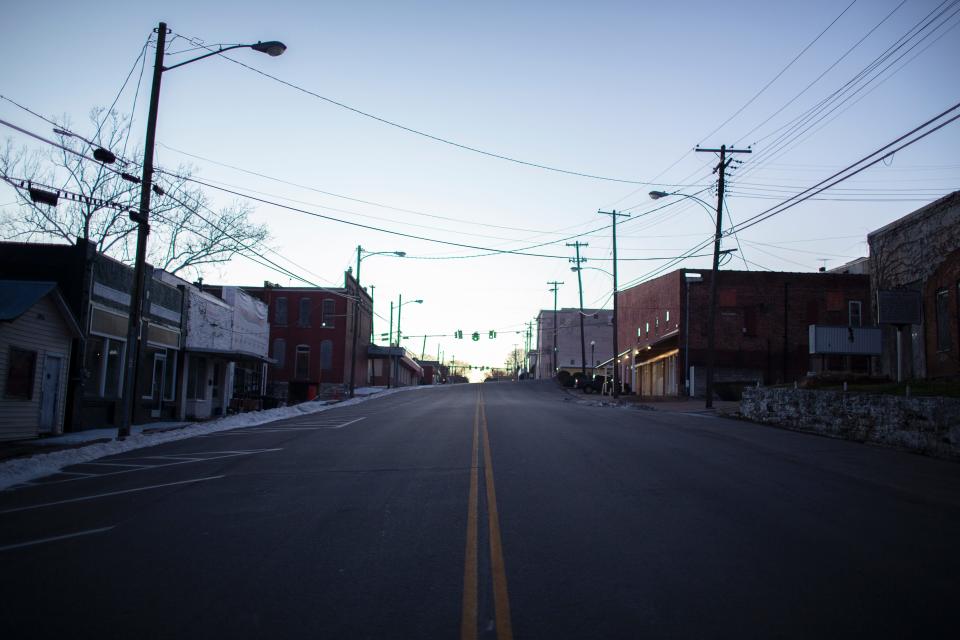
(501, 602)
(468, 624)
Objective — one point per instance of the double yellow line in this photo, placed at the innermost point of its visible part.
(501, 602)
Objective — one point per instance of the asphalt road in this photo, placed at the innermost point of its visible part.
(485, 511)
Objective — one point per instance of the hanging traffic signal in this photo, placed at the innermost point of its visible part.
(476, 336)
(458, 334)
(492, 334)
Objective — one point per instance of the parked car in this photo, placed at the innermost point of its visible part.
(595, 385)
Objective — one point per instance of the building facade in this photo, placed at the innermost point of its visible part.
(762, 328)
(97, 289)
(311, 339)
(565, 355)
(37, 330)
(920, 253)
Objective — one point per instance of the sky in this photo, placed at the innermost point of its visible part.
(622, 91)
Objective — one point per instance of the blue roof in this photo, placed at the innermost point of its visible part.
(17, 296)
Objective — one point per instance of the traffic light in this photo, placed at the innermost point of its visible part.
(492, 334)
(458, 334)
(475, 336)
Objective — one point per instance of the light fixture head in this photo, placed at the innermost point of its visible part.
(272, 48)
(400, 254)
(419, 301)
(656, 195)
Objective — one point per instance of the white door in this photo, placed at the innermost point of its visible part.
(49, 393)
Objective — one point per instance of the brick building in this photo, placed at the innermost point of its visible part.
(920, 252)
(597, 336)
(762, 327)
(311, 338)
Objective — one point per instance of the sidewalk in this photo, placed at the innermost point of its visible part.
(24, 460)
(675, 405)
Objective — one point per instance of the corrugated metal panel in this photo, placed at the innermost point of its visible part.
(861, 341)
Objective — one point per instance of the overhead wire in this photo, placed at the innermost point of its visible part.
(433, 137)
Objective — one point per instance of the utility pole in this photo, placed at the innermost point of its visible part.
(372, 335)
(553, 360)
(616, 347)
(142, 218)
(389, 345)
(583, 345)
(721, 171)
(356, 325)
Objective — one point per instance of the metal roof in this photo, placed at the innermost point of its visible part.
(18, 296)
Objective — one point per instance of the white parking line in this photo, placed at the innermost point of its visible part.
(113, 464)
(54, 539)
(86, 476)
(107, 495)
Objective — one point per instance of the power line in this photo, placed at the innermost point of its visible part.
(440, 139)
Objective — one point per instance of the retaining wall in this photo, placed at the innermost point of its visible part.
(925, 425)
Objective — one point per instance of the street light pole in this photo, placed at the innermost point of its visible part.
(616, 347)
(583, 347)
(142, 218)
(553, 360)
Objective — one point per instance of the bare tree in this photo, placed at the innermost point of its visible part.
(185, 233)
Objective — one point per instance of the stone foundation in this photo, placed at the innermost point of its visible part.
(924, 425)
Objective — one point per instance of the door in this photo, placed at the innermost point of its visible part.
(159, 375)
(49, 393)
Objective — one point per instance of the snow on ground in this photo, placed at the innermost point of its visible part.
(20, 470)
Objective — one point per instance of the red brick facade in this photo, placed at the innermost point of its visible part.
(762, 323)
(311, 338)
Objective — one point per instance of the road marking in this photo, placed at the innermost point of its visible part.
(107, 495)
(114, 464)
(468, 623)
(501, 601)
(345, 424)
(20, 545)
(85, 476)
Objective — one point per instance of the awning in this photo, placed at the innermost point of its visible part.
(231, 355)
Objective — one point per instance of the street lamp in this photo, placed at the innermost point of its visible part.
(356, 308)
(593, 357)
(712, 317)
(142, 217)
(688, 277)
(400, 304)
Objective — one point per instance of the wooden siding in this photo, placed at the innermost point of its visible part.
(41, 329)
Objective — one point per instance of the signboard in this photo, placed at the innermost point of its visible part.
(900, 306)
(826, 340)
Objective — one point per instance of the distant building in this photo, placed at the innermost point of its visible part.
(393, 367)
(565, 355)
(762, 328)
(920, 253)
(311, 339)
(37, 330)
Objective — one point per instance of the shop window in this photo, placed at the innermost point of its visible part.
(197, 379)
(943, 320)
(104, 365)
(21, 366)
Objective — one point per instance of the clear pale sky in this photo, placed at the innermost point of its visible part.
(616, 89)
